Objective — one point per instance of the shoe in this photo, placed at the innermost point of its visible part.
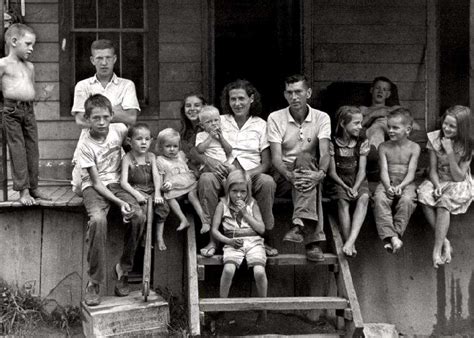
(315, 254)
(295, 235)
(270, 251)
(92, 298)
(121, 284)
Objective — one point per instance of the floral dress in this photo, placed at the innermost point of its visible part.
(456, 196)
(176, 171)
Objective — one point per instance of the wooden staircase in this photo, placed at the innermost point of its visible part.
(345, 303)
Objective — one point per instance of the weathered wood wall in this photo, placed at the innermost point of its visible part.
(359, 40)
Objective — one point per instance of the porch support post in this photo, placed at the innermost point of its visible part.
(471, 55)
(432, 65)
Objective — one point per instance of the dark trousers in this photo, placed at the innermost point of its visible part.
(97, 208)
(22, 138)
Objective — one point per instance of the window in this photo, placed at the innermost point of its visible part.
(121, 21)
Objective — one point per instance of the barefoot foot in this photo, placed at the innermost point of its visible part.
(447, 252)
(349, 250)
(396, 244)
(205, 228)
(161, 245)
(26, 198)
(183, 225)
(437, 261)
(36, 193)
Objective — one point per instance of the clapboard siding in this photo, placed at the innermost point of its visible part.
(356, 41)
(46, 52)
(41, 13)
(45, 32)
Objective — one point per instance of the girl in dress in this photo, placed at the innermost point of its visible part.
(348, 183)
(449, 189)
(178, 180)
(140, 176)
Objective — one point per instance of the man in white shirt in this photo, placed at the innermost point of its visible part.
(293, 131)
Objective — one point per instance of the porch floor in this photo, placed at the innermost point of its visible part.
(61, 196)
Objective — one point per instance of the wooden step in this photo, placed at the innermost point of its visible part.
(271, 303)
(282, 259)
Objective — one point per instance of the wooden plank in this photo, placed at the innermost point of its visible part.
(56, 198)
(46, 32)
(370, 15)
(344, 281)
(367, 72)
(47, 91)
(175, 91)
(75, 200)
(170, 109)
(281, 259)
(308, 39)
(385, 34)
(433, 64)
(373, 3)
(47, 72)
(271, 303)
(180, 72)
(368, 53)
(417, 108)
(58, 130)
(179, 33)
(46, 110)
(183, 52)
(20, 248)
(41, 13)
(172, 12)
(61, 260)
(192, 278)
(208, 51)
(46, 52)
(57, 149)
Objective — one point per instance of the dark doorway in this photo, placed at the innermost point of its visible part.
(259, 41)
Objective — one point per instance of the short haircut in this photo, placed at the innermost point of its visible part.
(19, 30)
(404, 113)
(164, 135)
(96, 101)
(382, 79)
(102, 44)
(297, 78)
(255, 107)
(207, 110)
(138, 126)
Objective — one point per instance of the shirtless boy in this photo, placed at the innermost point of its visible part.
(398, 159)
(18, 78)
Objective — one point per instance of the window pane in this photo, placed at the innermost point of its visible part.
(84, 13)
(132, 13)
(84, 68)
(132, 60)
(109, 14)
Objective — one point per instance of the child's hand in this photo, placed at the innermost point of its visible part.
(437, 192)
(391, 191)
(241, 206)
(236, 242)
(216, 133)
(447, 144)
(352, 192)
(158, 199)
(141, 199)
(398, 190)
(166, 186)
(126, 210)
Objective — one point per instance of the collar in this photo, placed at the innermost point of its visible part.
(232, 121)
(352, 143)
(307, 119)
(114, 79)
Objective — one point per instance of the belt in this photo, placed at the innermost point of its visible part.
(16, 103)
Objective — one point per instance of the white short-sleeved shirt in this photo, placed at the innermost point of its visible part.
(247, 142)
(215, 149)
(295, 138)
(106, 155)
(119, 91)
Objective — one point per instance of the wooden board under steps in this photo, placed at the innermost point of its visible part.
(271, 303)
(281, 259)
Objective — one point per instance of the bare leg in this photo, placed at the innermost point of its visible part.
(442, 226)
(193, 198)
(344, 217)
(226, 279)
(357, 221)
(36, 193)
(159, 236)
(26, 198)
(183, 222)
(430, 215)
(262, 285)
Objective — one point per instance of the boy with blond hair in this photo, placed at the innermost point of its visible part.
(398, 159)
(18, 87)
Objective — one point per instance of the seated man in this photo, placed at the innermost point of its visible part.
(291, 131)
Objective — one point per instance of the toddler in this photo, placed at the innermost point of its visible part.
(242, 228)
(211, 142)
(178, 180)
(398, 159)
(449, 189)
(140, 176)
(348, 183)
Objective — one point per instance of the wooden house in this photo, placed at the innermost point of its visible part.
(172, 47)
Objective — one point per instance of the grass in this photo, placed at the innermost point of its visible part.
(21, 312)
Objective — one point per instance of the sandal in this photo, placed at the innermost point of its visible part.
(208, 252)
(270, 252)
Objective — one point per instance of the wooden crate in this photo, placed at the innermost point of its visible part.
(126, 316)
